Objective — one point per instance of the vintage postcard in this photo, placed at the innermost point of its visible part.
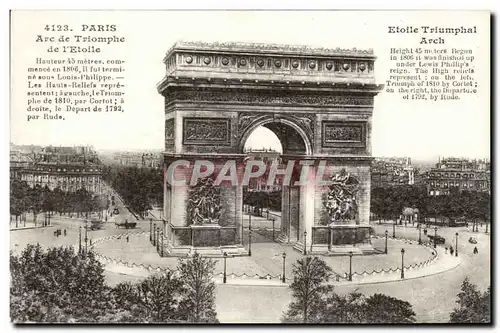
(185, 167)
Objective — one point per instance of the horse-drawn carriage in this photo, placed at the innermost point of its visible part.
(126, 224)
(96, 224)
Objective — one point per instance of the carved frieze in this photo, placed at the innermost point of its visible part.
(307, 121)
(169, 129)
(246, 119)
(304, 120)
(169, 132)
(273, 99)
(344, 134)
(206, 131)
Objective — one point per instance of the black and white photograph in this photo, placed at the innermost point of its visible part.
(250, 167)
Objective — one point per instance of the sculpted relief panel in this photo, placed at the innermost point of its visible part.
(344, 134)
(341, 199)
(206, 131)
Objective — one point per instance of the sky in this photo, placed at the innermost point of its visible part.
(420, 129)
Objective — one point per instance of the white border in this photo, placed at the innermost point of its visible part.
(492, 5)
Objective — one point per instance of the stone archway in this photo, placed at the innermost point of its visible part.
(293, 132)
(319, 102)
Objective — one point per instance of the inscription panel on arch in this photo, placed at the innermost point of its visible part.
(343, 134)
(206, 131)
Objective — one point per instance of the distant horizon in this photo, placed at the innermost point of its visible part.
(414, 159)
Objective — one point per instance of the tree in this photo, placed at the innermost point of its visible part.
(198, 301)
(19, 201)
(355, 308)
(383, 309)
(57, 285)
(342, 309)
(309, 288)
(473, 307)
(158, 295)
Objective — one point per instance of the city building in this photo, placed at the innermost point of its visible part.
(268, 156)
(138, 159)
(392, 171)
(461, 173)
(67, 168)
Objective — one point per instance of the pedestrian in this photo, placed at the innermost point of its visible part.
(127, 239)
(475, 250)
(446, 250)
(65, 233)
(451, 250)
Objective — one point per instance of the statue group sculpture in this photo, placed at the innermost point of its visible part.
(204, 205)
(340, 200)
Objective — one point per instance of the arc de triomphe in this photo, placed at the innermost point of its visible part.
(318, 102)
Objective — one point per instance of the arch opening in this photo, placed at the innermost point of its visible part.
(292, 138)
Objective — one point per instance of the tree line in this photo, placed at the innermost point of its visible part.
(140, 188)
(263, 199)
(25, 199)
(60, 285)
(388, 203)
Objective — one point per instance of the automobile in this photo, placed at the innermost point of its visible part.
(472, 240)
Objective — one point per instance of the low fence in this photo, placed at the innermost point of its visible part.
(421, 264)
(142, 268)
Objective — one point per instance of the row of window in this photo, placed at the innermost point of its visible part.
(72, 179)
(452, 175)
(69, 170)
(457, 184)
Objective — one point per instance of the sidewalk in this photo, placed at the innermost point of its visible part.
(29, 225)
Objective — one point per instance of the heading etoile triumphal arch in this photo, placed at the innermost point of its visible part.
(318, 102)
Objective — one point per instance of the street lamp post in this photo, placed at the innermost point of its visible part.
(224, 279)
(456, 244)
(394, 230)
(305, 242)
(350, 265)
(419, 234)
(80, 240)
(273, 228)
(150, 230)
(86, 238)
(283, 275)
(161, 237)
(435, 236)
(402, 263)
(157, 238)
(250, 242)
(386, 232)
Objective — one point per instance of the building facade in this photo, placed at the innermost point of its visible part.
(462, 174)
(268, 156)
(141, 160)
(392, 171)
(67, 168)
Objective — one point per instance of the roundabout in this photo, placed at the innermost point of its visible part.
(132, 254)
